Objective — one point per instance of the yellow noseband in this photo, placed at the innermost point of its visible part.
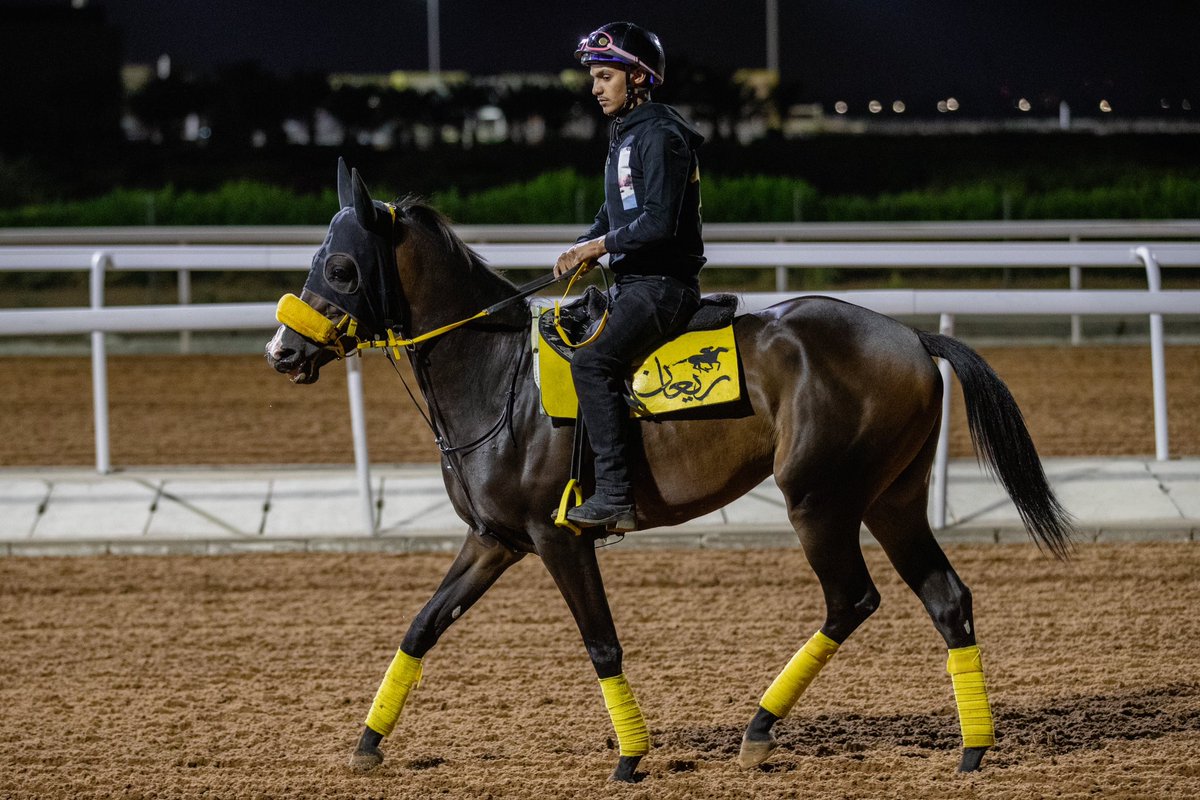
(305, 320)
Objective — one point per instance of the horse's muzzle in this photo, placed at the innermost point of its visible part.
(289, 353)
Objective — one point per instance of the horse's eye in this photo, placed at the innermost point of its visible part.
(341, 272)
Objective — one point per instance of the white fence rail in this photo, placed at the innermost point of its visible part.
(782, 256)
(311, 235)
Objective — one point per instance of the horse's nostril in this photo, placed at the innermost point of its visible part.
(281, 357)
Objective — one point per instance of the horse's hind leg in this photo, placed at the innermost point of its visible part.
(898, 521)
(831, 546)
(479, 563)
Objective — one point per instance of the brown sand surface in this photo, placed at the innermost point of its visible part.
(1078, 401)
(249, 676)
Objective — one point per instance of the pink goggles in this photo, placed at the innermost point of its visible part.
(601, 43)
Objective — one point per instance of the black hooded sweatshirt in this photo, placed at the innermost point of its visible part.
(650, 219)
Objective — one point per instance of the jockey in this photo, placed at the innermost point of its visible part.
(650, 224)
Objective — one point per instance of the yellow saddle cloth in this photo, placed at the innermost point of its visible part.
(695, 369)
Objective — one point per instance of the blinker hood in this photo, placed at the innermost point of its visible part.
(371, 298)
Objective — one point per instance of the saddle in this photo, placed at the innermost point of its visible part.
(698, 368)
(581, 318)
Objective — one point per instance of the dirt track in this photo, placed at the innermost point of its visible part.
(234, 410)
(249, 676)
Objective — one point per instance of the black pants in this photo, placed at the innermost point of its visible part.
(644, 312)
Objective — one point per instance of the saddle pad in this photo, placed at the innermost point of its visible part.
(695, 369)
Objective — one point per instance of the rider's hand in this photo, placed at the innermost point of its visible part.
(584, 253)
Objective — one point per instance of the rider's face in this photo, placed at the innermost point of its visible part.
(608, 87)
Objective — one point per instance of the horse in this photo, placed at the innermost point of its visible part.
(841, 405)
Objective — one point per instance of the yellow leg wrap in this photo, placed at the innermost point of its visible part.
(632, 734)
(798, 674)
(403, 674)
(974, 714)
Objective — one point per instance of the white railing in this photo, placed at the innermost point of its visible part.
(99, 320)
(312, 235)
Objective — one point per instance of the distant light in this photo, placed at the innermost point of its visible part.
(77, 4)
(1186, 105)
(898, 106)
(162, 67)
(841, 107)
(951, 104)
(1023, 104)
(875, 106)
(373, 101)
(1164, 103)
(1105, 107)
(943, 106)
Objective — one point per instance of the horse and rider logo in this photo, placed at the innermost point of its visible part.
(688, 378)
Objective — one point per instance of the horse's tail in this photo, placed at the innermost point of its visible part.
(1001, 439)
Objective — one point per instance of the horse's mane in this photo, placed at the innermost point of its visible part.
(438, 225)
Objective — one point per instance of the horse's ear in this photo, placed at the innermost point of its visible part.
(345, 191)
(364, 206)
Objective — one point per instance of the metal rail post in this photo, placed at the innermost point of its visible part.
(941, 459)
(185, 297)
(1158, 359)
(101, 262)
(1076, 283)
(781, 274)
(358, 429)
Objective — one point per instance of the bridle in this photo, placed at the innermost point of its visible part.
(342, 339)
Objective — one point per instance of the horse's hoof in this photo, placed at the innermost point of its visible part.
(626, 771)
(363, 761)
(756, 751)
(971, 756)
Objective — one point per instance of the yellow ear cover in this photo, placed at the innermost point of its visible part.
(401, 677)
(304, 319)
(632, 734)
(965, 666)
(798, 674)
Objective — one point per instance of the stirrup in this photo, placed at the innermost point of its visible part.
(571, 492)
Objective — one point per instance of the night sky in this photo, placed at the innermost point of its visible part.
(831, 47)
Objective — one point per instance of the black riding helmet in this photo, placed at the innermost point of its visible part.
(627, 44)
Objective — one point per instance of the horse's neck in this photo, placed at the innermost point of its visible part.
(466, 376)
(442, 289)
(467, 373)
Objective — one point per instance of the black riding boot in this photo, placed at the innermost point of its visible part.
(644, 312)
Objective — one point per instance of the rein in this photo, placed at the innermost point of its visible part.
(312, 324)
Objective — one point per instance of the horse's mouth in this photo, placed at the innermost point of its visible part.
(306, 373)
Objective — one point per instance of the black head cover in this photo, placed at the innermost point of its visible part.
(355, 268)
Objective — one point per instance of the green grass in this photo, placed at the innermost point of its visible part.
(565, 197)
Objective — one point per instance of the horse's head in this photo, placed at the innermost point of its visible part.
(352, 290)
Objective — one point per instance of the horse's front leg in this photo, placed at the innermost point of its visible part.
(480, 562)
(571, 561)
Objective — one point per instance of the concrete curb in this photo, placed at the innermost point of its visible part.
(707, 538)
(282, 509)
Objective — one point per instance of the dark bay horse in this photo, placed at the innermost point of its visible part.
(842, 407)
